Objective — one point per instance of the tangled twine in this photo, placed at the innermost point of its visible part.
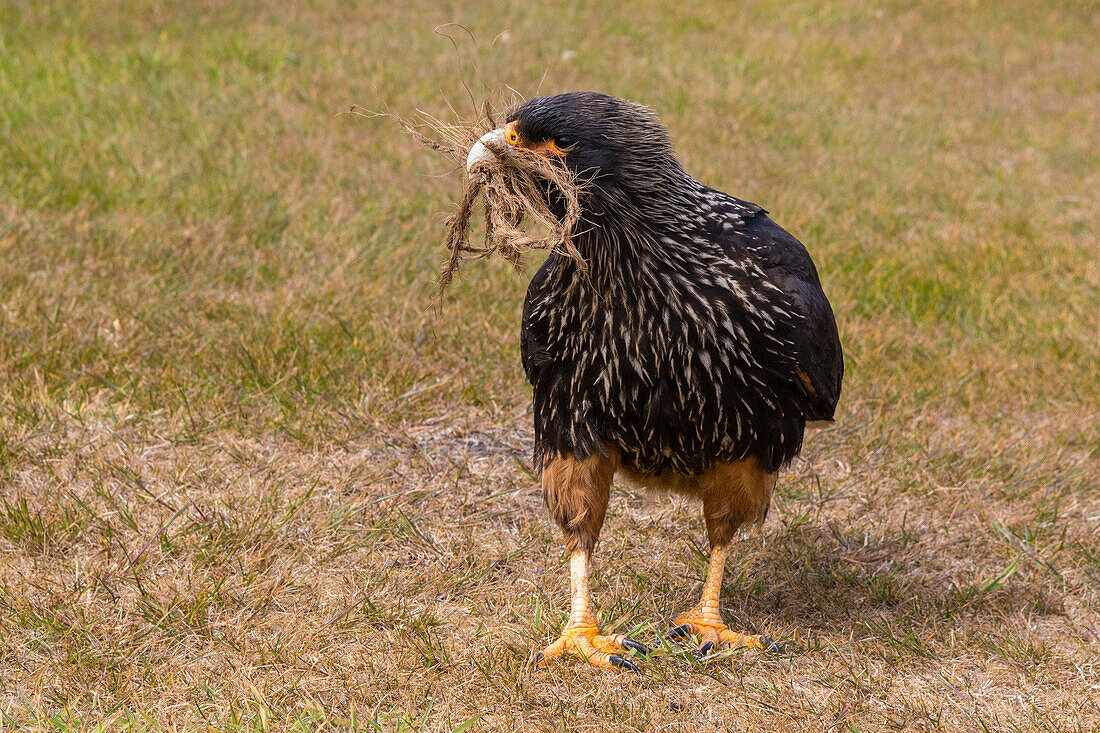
(514, 186)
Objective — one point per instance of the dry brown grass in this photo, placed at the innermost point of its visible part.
(249, 480)
(410, 576)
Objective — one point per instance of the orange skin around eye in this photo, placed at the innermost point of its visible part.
(513, 138)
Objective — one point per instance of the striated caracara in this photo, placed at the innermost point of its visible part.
(688, 357)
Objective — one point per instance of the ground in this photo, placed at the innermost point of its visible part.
(250, 480)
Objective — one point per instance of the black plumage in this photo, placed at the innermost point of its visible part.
(699, 333)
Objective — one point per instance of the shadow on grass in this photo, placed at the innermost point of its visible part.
(896, 588)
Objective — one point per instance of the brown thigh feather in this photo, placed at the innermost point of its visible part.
(576, 493)
(733, 494)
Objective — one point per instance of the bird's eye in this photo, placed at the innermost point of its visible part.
(564, 142)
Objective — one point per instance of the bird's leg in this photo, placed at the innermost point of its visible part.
(733, 494)
(581, 636)
(576, 492)
(705, 621)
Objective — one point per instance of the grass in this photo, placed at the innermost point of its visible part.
(249, 481)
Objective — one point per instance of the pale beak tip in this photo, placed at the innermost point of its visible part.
(481, 153)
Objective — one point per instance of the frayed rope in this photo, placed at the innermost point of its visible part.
(514, 187)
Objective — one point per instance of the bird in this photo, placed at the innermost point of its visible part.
(687, 353)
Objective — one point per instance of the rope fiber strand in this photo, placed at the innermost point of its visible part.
(516, 186)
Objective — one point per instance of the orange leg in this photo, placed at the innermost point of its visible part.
(705, 621)
(581, 636)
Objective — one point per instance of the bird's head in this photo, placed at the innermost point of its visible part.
(619, 150)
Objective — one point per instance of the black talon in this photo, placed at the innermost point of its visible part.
(636, 646)
(620, 662)
(677, 631)
(770, 645)
(538, 657)
(704, 650)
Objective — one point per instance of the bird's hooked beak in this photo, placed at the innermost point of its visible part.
(486, 149)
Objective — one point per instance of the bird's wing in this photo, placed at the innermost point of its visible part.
(532, 342)
(814, 362)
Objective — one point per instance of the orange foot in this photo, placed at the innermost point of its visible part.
(714, 634)
(583, 639)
